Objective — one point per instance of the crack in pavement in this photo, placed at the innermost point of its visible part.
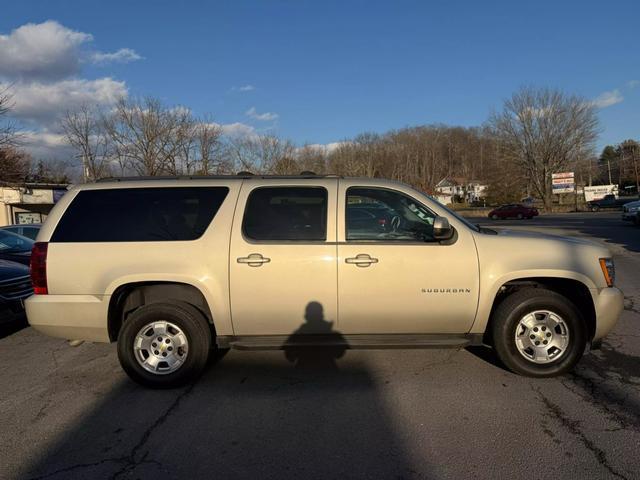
(614, 408)
(128, 462)
(573, 426)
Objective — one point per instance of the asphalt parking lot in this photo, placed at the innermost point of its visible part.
(71, 412)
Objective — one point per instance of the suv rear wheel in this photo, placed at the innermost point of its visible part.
(538, 333)
(164, 345)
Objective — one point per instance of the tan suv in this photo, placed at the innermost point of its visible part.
(172, 268)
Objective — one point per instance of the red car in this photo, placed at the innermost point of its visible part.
(513, 210)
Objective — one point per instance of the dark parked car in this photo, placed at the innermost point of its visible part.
(609, 202)
(513, 210)
(15, 247)
(29, 230)
(15, 286)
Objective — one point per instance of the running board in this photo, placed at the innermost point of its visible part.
(283, 342)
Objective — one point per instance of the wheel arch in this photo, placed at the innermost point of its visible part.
(128, 297)
(573, 289)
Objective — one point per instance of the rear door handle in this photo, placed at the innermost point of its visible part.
(254, 260)
(361, 260)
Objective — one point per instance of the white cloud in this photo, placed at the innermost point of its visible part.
(124, 55)
(266, 116)
(40, 64)
(326, 147)
(633, 83)
(243, 88)
(46, 145)
(45, 51)
(606, 99)
(236, 129)
(44, 103)
(180, 110)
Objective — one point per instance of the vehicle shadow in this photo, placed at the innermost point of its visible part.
(307, 414)
(487, 354)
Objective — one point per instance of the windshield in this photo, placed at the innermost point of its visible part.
(12, 242)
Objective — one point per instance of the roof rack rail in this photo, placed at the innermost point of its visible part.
(239, 175)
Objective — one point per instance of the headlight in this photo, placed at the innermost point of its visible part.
(608, 270)
(633, 209)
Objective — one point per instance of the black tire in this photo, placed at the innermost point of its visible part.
(495, 217)
(519, 216)
(595, 208)
(195, 327)
(505, 321)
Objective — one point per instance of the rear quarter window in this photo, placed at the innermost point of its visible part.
(139, 214)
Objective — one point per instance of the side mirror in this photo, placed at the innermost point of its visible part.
(442, 229)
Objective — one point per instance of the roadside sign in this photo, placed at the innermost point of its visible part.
(563, 182)
(562, 175)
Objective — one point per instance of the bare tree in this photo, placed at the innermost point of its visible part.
(8, 134)
(544, 131)
(208, 139)
(52, 170)
(630, 150)
(263, 154)
(14, 165)
(86, 133)
(148, 136)
(312, 159)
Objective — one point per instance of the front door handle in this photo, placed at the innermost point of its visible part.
(254, 260)
(361, 260)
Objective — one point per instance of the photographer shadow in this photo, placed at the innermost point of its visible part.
(301, 348)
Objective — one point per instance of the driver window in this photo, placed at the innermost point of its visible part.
(386, 215)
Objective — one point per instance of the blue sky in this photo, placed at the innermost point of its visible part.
(324, 71)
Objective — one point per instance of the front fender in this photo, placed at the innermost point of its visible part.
(490, 286)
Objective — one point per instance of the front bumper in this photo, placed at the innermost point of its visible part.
(73, 317)
(609, 303)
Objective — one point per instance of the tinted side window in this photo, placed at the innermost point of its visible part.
(386, 215)
(139, 214)
(286, 213)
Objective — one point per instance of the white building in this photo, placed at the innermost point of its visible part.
(28, 203)
(455, 189)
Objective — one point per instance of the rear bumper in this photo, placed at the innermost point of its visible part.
(73, 317)
(609, 303)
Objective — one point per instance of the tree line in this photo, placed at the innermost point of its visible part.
(537, 132)
(620, 164)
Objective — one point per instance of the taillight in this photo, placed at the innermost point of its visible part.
(38, 267)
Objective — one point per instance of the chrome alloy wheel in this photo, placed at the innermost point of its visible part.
(161, 347)
(542, 336)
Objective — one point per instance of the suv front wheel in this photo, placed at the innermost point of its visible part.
(538, 333)
(164, 345)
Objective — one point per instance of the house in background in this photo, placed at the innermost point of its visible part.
(459, 190)
(29, 202)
